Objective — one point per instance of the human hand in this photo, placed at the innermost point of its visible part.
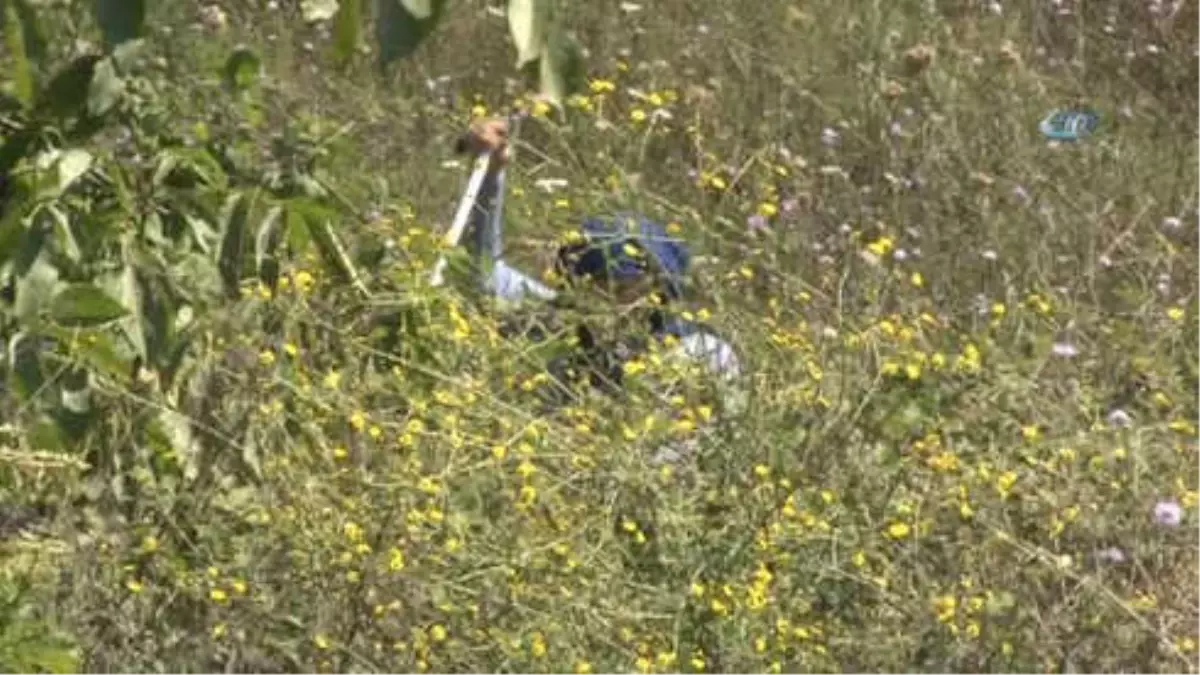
(487, 135)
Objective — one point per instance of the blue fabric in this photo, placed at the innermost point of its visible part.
(605, 253)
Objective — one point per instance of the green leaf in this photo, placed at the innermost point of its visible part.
(105, 89)
(202, 233)
(31, 249)
(31, 28)
(37, 284)
(422, 9)
(242, 69)
(561, 71)
(98, 351)
(401, 25)
(25, 42)
(188, 168)
(299, 238)
(345, 29)
(127, 54)
(167, 161)
(526, 23)
(18, 58)
(119, 20)
(72, 164)
(124, 286)
(199, 278)
(265, 244)
(231, 254)
(319, 220)
(83, 305)
(318, 10)
(67, 93)
(68, 242)
(12, 224)
(16, 148)
(24, 354)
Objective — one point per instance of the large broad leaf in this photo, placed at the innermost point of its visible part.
(270, 232)
(560, 70)
(157, 311)
(345, 29)
(12, 219)
(231, 255)
(33, 34)
(105, 89)
(318, 10)
(31, 250)
(423, 9)
(126, 56)
(98, 351)
(12, 230)
(24, 357)
(25, 42)
(18, 58)
(202, 233)
(37, 284)
(298, 235)
(84, 305)
(67, 93)
(401, 25)
(60, 169)
(72, 164)
(125, 286)
(188, 168)
(319, 222)
(197, 279)
(120, 20)
(17, 147)
(68, 243)
(527, 24)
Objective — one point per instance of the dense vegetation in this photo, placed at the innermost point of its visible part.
(240, 431)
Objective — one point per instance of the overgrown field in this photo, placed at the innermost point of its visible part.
(270, 445)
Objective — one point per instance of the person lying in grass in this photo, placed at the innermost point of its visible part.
(622, 270)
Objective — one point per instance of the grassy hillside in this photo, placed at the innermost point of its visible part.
(972, 353)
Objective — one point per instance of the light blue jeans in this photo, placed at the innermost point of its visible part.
(510, 284)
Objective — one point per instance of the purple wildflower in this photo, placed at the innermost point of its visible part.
(1112, 554)
(1065, 350)
(757, 222)
(1168, 512)
(1119, 418)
